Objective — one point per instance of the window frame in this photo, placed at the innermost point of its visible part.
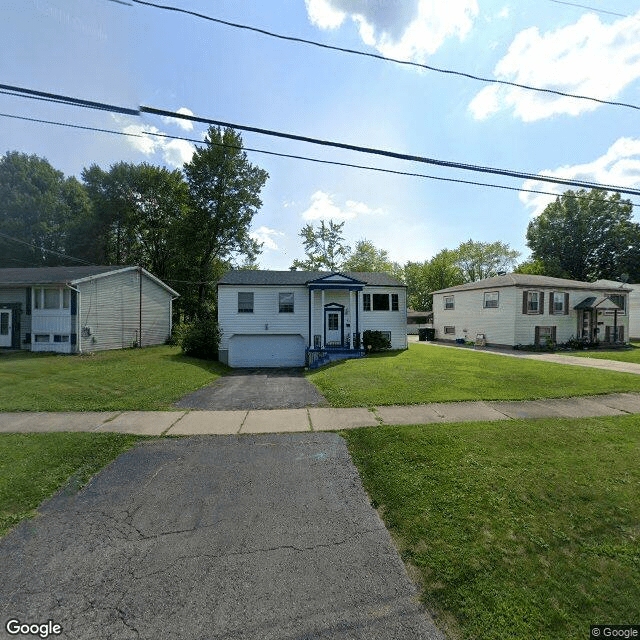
(366, 302)
(380, 297)
(446, 305)
(286, 307)
(395, 302)
(554, 311)
(530, 309)
(622, 311)
(485, 302)
(448, 330)
(244, 307)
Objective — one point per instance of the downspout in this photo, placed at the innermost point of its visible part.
(140, 311)
(78, 316)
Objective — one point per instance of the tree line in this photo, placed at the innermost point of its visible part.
(189, 226)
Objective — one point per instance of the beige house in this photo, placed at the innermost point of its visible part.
(518, 309)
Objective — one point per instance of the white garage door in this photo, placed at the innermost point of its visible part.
(266, 351)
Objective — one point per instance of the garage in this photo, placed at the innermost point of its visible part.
(266, 351)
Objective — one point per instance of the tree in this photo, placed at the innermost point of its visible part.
(586, 235)
(366, 257)
(532, 268)
(324, 247)
(224, 195)
(38, 206)
(479, 260)
(423, 278)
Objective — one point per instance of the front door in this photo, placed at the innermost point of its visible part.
(333, 329)
(586, 324)
(5, 328)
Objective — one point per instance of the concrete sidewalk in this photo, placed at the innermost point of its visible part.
(315, 419)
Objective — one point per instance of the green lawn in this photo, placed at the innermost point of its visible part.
(33, 466)
(519, 529)
(130, 379)
(426, 373)
(628, 355)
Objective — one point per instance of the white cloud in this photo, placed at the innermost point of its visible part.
(407, 29)
(586, 58)
(187, 125)
(266, 236)
(323, 208)
(620, 166)
(174, 152)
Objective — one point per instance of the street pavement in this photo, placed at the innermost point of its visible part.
(208, 538)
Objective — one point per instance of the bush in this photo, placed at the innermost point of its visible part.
(200, 339)
(375, 341)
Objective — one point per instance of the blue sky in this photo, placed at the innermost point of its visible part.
(130, 55)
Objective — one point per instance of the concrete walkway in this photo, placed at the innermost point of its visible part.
(158, 423)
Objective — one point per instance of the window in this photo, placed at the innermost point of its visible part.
(42, 337)
(449, 302)
(558, 303)
(394, 303)
(618, 299)
(366, 302)
(545, 335)
(490, 299)
(51, 298)
(286, 303)
(449, 330)
(332, 322)
(381, 302)
(60, 338)
(532, 301)
(387, 335)
(245, 302)
(4, 324)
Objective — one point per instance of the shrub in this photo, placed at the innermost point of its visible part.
(375, 341)
(200, 338)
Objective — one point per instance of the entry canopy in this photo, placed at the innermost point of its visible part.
(603, 303)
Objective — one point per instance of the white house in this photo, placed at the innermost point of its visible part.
(77, 309)
(289, 318)
(523, 309)
(633, 304)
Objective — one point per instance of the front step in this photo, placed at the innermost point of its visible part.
(331, 355)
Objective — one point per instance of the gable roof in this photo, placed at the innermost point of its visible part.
(525, 280)
(65, 275)
(253, 278)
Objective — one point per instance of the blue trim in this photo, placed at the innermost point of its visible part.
(343, 287)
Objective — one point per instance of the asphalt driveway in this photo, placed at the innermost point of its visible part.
(239, 537)
(256, 389)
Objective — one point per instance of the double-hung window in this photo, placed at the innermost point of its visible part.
(449, 302)
(490, 299)
(285, 302)
(619, 300)
(245, 302)
(557, 303)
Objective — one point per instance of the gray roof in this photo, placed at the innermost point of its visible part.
(51, 275)
(252, 278)
(525, 280)
(602, 302)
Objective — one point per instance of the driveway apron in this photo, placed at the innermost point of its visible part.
(239, 537)
(256, 389)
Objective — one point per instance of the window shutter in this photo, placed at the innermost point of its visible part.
(551, 308)
(566, 304)
(28, 301)
(541, 303)
(537, 336)
(524, 301)
(553, 334)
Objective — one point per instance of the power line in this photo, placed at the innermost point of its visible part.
(385, 58)
(582, 6)
(340, 145)
(292, 156)
(33, 246)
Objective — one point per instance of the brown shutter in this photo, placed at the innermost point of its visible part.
(551, 310)
(541, 303)
(524, 301)
(537, 336)
(566, 304)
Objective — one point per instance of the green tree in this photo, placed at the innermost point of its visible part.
(422, 278)
(324, 247)
(479, 260)
(367, 257)
(533, 268)
(586, 235)
(38, 206)
(224, 195)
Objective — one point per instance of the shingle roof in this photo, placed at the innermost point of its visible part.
(51, 275)
(300, 278)
(525, 280)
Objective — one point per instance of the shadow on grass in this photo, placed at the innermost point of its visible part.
(212, 366)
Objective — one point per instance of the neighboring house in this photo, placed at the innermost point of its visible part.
(523, 309)
(418, 320)
(633, 304)
(289, 318)
(76, 309)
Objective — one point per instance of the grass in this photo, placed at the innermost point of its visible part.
(627, 355)
(34, 466)
(425, 373)
(130, 379)
(522, 529)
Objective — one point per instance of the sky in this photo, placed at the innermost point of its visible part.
(126, 54)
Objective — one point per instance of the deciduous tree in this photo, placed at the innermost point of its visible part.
(324, 247)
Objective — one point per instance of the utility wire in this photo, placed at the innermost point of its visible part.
(385, 58)
(56, 253)
(582, 6)
(292, 156)
(340, 145)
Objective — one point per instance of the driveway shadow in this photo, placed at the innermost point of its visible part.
(256, 389)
